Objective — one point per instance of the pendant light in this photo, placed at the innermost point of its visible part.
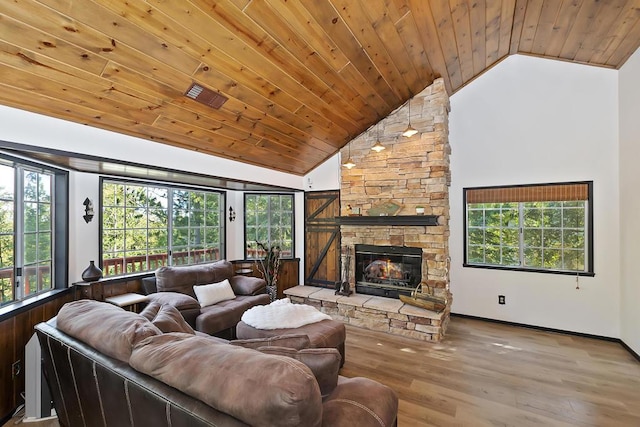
(378, 147)
(409, 131)
(349, 163)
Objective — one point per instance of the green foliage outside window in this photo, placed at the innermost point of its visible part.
(269, 220)
(539, 235)
(7, 232)
(145, 227)
(33, 237)
(37, 232)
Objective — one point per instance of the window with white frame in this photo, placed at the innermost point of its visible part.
(33, 227)
(145, 226)
(268, 219)
(546, 228)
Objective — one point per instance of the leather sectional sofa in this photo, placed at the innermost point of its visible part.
(174, 286)
(110, 367)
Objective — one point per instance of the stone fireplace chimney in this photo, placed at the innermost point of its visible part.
(411, 172)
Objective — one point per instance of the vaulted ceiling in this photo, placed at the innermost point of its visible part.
(301, 77)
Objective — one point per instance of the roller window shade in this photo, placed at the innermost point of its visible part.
(529, 193)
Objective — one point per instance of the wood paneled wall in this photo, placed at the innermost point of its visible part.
(15, 331)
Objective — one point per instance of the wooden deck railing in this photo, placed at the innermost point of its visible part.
(253, 253)
(35, 279)
(134, 264)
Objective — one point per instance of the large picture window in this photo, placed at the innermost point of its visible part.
(32, 229)
(147, 226)
(268, 219)
(531, 227)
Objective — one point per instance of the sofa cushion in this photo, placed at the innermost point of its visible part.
(247, 285)
(149, 285)
(295, 341)
(362, 402)
(176, 299)
(166, 317)
(323, 362)
(213, 293)
(183, 278)
(105, 327)
(259, 389)
(150, 311)
(226, 314)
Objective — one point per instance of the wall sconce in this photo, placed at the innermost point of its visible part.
(88, 210)
(378, 147)
(349, 163)
(232, 214)
(409, 131)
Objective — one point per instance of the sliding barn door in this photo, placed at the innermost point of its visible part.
(322, 238)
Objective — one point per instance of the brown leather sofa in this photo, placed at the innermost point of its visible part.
(110, 367)
(174, 286)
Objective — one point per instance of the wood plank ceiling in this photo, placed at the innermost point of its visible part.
(302, 77)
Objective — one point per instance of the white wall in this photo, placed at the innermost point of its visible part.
(324, 177)
(34, 129)
(235, 229)
(84, 243)
(531, 120)
(629, 94)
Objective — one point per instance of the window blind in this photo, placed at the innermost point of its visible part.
(529, 193)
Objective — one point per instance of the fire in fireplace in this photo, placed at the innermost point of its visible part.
(387, 270)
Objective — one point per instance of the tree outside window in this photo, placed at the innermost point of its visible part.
(148, 226)
(268, 220)
(28, 236)
(507, 227)
(7, 233)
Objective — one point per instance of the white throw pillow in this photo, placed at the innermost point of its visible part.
(214, 293)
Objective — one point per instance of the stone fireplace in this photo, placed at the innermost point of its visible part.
(410, 173)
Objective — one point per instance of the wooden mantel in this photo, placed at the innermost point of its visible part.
(389, 220)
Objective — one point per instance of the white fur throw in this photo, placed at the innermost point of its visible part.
(282, 314)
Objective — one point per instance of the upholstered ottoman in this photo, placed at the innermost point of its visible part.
(326, 333)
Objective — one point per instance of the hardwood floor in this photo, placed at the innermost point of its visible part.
(488, 374)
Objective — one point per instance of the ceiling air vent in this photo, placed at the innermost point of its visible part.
(205, 96)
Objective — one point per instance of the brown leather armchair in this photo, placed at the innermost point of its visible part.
(174, 286)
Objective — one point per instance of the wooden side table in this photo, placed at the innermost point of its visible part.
(130, 301)
(88, 290)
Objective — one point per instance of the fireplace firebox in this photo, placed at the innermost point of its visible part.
(387, 271)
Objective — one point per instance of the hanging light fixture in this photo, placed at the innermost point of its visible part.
(409, 131)
(349, 163)
(378, 147)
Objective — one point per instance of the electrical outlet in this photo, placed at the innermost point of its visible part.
(16, 368)
(501, 299)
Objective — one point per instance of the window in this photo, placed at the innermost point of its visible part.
(33, 227)
(544, 228)
(148, 226)
(268, 219)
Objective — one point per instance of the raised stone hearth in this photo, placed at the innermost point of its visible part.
(375, 313)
